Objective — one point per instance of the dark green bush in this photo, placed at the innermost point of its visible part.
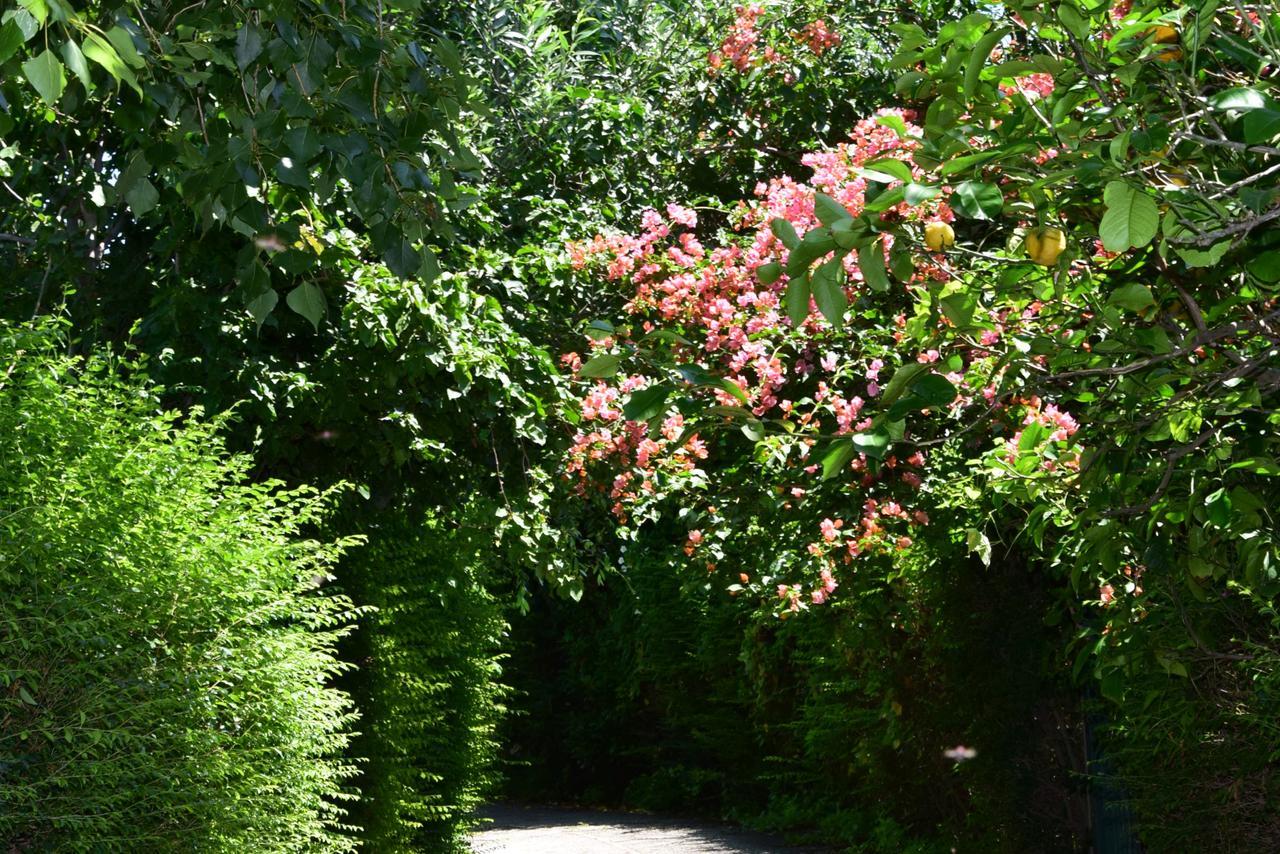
(428, 681)
(164, 652)
(659, 692)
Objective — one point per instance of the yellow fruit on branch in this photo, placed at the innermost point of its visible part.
(1166, 35)
(1044, 245)
(939, 236)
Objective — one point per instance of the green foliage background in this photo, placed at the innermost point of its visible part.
(345, 224)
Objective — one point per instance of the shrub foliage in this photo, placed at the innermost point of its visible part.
(165, 653)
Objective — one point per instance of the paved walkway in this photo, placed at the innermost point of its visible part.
(545, 830)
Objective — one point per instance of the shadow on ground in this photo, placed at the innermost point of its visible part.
(548, 830)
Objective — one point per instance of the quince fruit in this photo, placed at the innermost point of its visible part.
(939, 236)
(1044, 245)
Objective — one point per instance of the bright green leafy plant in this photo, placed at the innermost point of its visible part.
(166, 644)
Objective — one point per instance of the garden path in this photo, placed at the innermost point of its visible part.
(549, 830)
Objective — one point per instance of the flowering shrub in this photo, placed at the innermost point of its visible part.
(1090, 370)
(724, 329)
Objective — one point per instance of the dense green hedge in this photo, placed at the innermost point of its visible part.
(164, 652)
(428, 683)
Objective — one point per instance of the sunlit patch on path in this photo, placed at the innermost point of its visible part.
(542, 830)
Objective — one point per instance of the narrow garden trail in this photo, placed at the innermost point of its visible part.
(546, 830)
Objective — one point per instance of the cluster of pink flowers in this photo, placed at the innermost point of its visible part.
(744, 46)
(818, 37)
(1032, 86)
(1059, 423)
(608, 443)
(739, 46)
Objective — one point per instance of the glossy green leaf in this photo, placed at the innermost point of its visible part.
(934, 390)
(977, 200)
(813, 246)
(1131, 219)
(599, 367)
(828, 210)
(11, 38)
(261, 306)
(796, 299)
(871, 264)
(769, 273)
(647, 403)
(837, 458)
(827, 287)
(74, 58)
(786, 232)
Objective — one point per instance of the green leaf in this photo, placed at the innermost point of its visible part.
(11, 38)
(75, 60)
(604, 365)
(248, 45)
(1132, 217)
(98, 50)
(1217, 505)
(873, 444)
(430, 269)
(935, 390)
(815, 244)
(898, 384)
(1204, 257)
(402, 259)
(979, 544)
(122, 41)
(39, 9)
(886, 170)
(959, 308)
(1261, 126)
(797, 299)
(871, 263)
(26, 696)
(307, 300)
(44, 72)
(753, 429)
(1133, 296)
(647, 402)
(895, 124)
(696, 375)
(261, 306)
(786, 232)
(142, 197)
(828, 210)
(978, 60)
(733, 389)
(828, 291)
(303, 142)
(1073, 21)
(977, 200)
(769, 273)
(839, 455)
(1265, 267)
(1238, 98)
(915, 194)
(598, 330)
